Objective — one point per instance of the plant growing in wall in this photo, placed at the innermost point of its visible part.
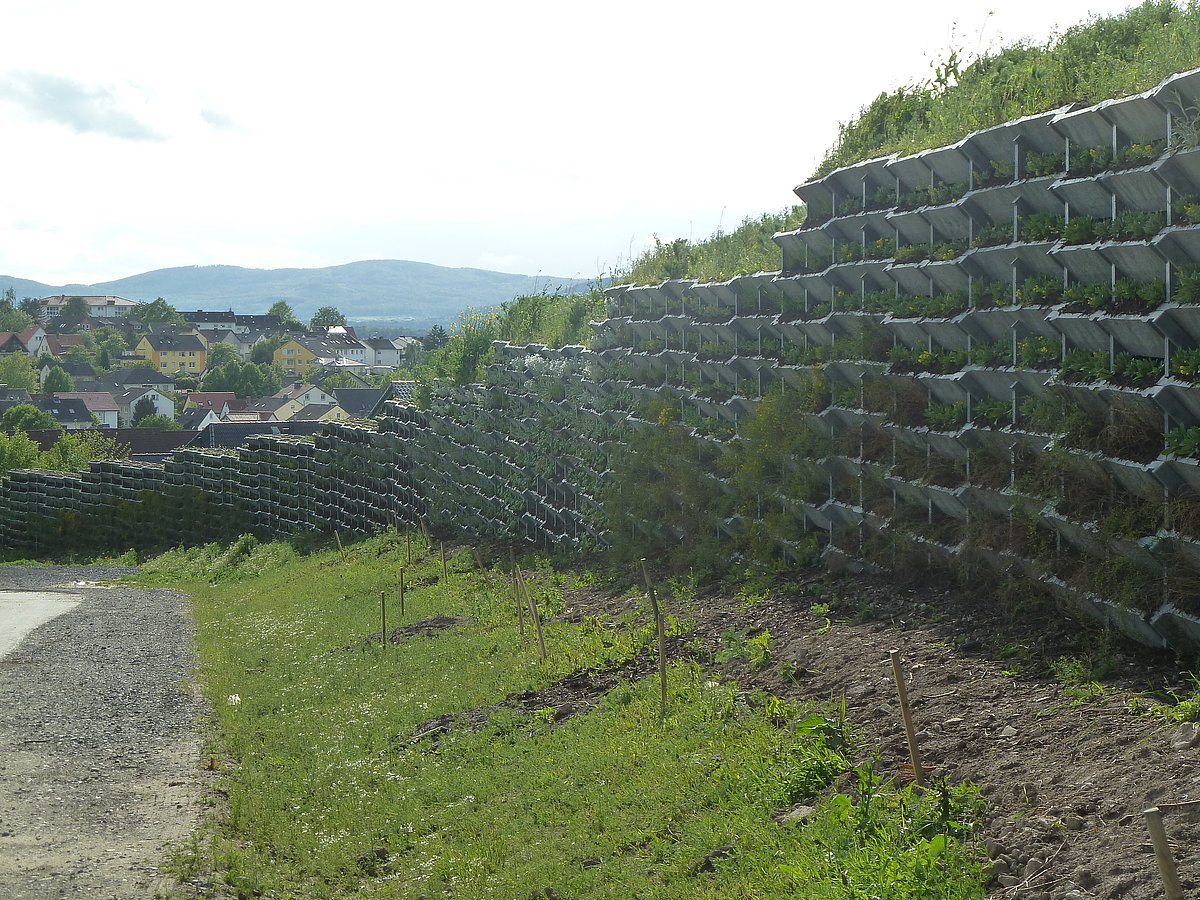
(1135, 371)
(1038, 165)
(1138, 154)
(1089, 160)
(1187, 211)
(1132, 225)
(993, 235)
(1037, 352)
(912, 253)
(991, 354)
(1185, 365)
(1042, 226)
(1041, 290)
(884, 248)
(946, 416)
(848, 253)
(992, 412)
(1187, 285)
(1183, 441)
(1080, 230)
(948, 250)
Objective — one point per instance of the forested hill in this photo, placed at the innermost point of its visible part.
(1105, 57)
(374, 288)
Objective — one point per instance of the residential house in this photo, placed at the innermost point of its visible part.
(58, 345)
(127, 401)
(197, 418)
(30, 341)
(10, 397)
(98, 307)
(294, 356)
(138, 376)
(221, 403)
(383, 353)
(322, 412)
(357, 402)
(175, 352)
(100, 404)
(71, 413)
(231, 321)
(82, 373)
(291, 402)
(326, 348)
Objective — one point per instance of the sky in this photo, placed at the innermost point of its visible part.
(542, 138)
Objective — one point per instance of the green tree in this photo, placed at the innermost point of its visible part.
(18, 372)
(33, 308)
(435, 338)
(158, 310)
(263, 352)
(26, 417)
(221, 353)
(57, 381)
(11, 318)
(141, 410)
(17, 451)
(75, 308)
(75, 449)
(286, 315)
(326, 317)
(159, 421)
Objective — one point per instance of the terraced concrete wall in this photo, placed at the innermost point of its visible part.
(988, 352)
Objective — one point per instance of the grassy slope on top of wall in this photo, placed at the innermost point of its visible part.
(1102, 58)
(1099, 59)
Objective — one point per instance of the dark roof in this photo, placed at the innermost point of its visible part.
(175, 342)
(145, 444)
(137, 375)
(358, 402)
(200, 317)
(13, 395)
(190, 419)
(64, 409)
(235, 434)
(72, 367)
(379, 343)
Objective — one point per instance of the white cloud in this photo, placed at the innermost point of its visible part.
(80, 107)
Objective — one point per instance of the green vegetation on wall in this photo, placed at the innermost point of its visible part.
(1112, 56)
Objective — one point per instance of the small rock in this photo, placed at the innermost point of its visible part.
(1040, 895)
(718, 853)
(1008, 732)
(1008, 881)
(1074, 823)
(999, 867)
(1033, 867)
(1126, 820)
(994, 848)
(1185, 736)
(590, 862)
(792, 815)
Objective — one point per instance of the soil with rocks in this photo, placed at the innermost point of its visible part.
(1065, 767)
(98, 743)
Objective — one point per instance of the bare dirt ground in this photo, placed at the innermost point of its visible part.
(1065, 779)
(98, 746)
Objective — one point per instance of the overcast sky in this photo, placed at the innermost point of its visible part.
(531, 137)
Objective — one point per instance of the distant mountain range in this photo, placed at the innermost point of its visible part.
(373, 289)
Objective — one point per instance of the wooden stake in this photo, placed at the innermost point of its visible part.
(662, 641)
(1162, 853)
(533, 614)
(914, 752)
(341, 549)
(425, 531)
(408, 546)
(402, 593)
(478, 559)
(520, 607)
(383, 618)
(445, 573)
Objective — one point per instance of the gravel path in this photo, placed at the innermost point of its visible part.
(98, 746)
